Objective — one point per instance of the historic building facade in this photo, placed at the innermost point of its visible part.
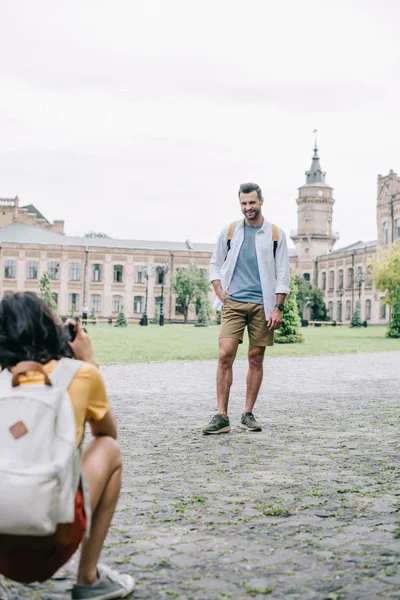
(344, 274)
(107, 274)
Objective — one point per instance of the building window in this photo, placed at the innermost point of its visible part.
(160, 275)
(138, 304)
(368, 310)
(117, 303)
(350, 277)
(306, 276)
(369, 276)
(73, 302)
(178, 307)
(324, 280)
(75, 271)
(348, 310)
(10, 269)
(96, 272)
(397, 228)
(385, 237)
(383, 308)
(53, 268)
(139, 273)
(341, 279)
(330, 310)
(32, 269)
(332, 280)
(118, 274)
(95, 302)
(55, 298)
(339, 311)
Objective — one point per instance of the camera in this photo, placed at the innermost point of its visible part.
(70, 331)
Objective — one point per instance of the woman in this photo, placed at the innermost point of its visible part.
(29, 331)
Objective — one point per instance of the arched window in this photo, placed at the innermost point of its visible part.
(339, 311)
(368, 310)
(350, 277)
(341, 279)
(118, 274)
(383, 308)
(75, 271)
(138, 304)
(96, 272)
(385, 236)
(32, 269)
(324, 280)
(369, 276)
(10, 268)
(95, 302)
(73, 302)
(332, 280)
(348, 310)
(117, 303)
(53, 268)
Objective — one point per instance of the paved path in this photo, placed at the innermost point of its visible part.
(307, 509)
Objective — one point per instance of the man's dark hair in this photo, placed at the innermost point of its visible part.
(247, 188)
(30, 331)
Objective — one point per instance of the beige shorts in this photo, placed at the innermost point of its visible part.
(235, 317)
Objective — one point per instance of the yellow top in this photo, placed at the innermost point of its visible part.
(87, 391)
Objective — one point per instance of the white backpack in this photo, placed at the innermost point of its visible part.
(40, 466)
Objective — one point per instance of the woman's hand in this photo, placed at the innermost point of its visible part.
(82, 345)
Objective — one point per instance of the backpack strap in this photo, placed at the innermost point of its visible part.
(231, 231)
(275, 237)
(64, 372)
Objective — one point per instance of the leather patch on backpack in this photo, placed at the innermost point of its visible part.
(18, 430)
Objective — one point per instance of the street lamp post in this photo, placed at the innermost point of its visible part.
(147, 273)
(341, 293)
(163, 270)
(360, 280)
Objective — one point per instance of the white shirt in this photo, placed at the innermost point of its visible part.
(274, 274)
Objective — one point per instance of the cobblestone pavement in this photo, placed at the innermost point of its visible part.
(306, 509)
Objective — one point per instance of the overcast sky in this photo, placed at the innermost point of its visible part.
(140, 118)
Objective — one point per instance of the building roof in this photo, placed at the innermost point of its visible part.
(360, 245)
(32, 210)
(20, 233)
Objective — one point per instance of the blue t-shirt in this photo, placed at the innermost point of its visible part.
(246, 284)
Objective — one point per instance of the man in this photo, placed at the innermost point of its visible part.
(251, 285)
(84, 311)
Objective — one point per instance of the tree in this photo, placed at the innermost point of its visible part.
(96, 234)
(92, 317)
(356, 318)
(45, 291)
(385, 271)
(121, 319)
(188, 284)
(317, 305)
(304, 291)
(290, 332)
(394, 325)
(203, 318)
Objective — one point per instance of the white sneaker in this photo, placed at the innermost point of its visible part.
(111, 585)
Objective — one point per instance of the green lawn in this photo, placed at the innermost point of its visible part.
(186, 342)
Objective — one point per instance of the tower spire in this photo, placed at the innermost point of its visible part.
(315, 174)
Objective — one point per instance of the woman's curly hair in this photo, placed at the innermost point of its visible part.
(29, 331)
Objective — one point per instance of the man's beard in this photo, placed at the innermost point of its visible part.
(254, 216)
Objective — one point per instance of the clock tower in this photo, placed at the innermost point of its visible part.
(314, 235)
